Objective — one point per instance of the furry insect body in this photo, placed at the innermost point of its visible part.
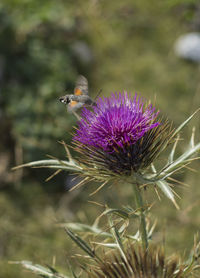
(84, 99)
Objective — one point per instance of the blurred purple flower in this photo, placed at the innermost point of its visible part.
(121, 134)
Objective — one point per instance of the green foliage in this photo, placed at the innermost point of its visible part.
(38, 63)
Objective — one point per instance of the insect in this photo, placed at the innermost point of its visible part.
(80, 96)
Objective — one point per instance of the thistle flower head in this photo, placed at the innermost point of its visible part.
(115, 123)
(121, 135)
(150, 263)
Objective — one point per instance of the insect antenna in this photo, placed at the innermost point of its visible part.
(100, 91)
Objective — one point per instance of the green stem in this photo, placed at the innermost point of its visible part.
(140, 206)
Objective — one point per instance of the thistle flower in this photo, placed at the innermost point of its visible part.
(150, 263)
(120, 136)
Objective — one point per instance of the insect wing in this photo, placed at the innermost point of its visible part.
(74, 105)
(81, 87)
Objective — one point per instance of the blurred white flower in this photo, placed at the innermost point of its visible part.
(188, 47)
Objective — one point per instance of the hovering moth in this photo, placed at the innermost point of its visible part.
(80, 96)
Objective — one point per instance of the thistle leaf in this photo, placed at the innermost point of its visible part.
(184, 124)
(41, 270)
(109, 245)
(166, 189)
(81, 243)
(191, 144)
(117, 238)
(153, 168)
(52, 163)
(119, 212)
(179, 162)
(171, 155)
(79, 227)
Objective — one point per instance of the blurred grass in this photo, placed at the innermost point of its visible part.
(116, 45)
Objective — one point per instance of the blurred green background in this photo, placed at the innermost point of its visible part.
(117, 45)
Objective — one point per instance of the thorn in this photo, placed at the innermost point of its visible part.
(177, 181)
(157, 193)
(52, 157)
(95, 203)
(67, 150)
(53, 175)
(87, 179)
(99, 188)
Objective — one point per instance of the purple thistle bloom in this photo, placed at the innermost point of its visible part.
(116, 122)
(120, 134)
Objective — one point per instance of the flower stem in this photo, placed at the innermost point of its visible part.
(140, 206)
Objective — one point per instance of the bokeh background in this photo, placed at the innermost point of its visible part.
(117, 45)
